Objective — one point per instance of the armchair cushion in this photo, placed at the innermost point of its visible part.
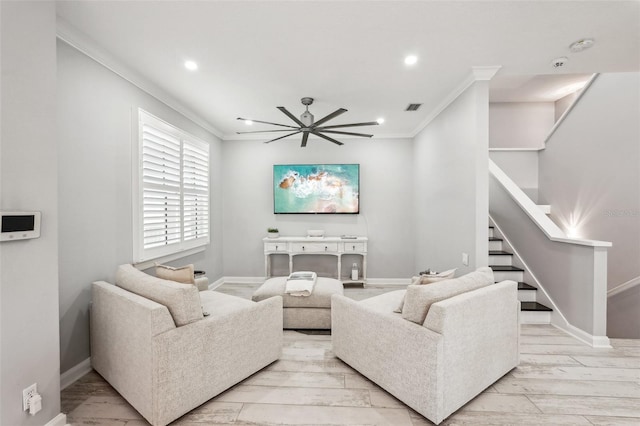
(182, 300)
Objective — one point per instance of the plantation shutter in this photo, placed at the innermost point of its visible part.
(161, 188)
(195, 173)
(171, 205)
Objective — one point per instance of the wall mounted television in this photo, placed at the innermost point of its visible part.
(316, 188)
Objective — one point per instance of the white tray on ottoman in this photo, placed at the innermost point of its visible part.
(312, 312)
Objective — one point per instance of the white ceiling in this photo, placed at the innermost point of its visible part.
(256, 55)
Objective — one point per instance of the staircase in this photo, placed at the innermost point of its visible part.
(501, 262)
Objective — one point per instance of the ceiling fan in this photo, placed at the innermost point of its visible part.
(306, 125)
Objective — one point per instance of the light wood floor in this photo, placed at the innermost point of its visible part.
(560, 381)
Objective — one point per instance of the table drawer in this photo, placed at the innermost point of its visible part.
(314, 247)
(354, 247)
(275, 247)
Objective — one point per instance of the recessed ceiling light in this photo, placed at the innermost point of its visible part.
(411, 60)
(248, 122)
(191, 65)
(380, 120)
(581, 45)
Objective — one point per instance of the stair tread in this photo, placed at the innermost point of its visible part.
(505, 268)
(499, 253)
(534, 306)
(495, 239)
(525, 286)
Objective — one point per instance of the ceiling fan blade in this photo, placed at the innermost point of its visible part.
(267, 122)
(370, 123)
(282, 137)
(334, 114)
(364, 135)
(327, 138)
(266, 131)
(291, 116)
(305, 136)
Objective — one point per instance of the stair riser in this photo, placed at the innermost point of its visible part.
(491, 233)
(500, 260)
(495, 245)
(527, 295)
(508, 275)
(535, 317)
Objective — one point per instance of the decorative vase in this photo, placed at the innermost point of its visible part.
(273, 234)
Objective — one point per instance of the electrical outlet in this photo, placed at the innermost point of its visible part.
(28, 393)
(465, 259)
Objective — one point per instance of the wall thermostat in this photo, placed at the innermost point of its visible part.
(19, 225)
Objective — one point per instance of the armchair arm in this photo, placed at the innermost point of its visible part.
(482, 339)
(400, 356)
(195, 362)
(122, 327)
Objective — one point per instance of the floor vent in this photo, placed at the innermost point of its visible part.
(413, 107)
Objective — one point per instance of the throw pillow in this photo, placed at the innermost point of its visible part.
(419, 298)
(427, 279)
(183, 274)
(182, 300)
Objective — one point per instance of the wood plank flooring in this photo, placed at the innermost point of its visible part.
(559, 381)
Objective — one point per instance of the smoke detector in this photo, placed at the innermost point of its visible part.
(559, 62)
(581, 45)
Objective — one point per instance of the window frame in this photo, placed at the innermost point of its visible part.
(142, 255)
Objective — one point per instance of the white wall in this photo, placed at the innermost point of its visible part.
(562, 104)
(29, 344)
(623, 314)
(521, 167)
(519, 124)
(590, 174)
(451, 189)
(385, 201)
(95, 123)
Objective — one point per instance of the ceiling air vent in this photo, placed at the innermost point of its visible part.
(413, 107)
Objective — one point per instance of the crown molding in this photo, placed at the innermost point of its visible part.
(476, 74)
(81, 42)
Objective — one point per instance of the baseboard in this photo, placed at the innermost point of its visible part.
(389, 281)
(217, 283)
(583, 336)
(59, 420)
(74, 373)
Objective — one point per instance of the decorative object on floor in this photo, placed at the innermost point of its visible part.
(273, 232)
(182, 274)
(313, 312)
(467, 342)
(306, 125)
(150, 341)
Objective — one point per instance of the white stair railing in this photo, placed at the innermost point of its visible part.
(572, 271)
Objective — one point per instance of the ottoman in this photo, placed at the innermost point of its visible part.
(312, 312)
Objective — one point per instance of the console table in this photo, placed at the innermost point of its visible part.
(331, 246)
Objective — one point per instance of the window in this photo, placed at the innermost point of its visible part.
(171, 200)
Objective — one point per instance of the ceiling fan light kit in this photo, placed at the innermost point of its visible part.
(306, 125)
